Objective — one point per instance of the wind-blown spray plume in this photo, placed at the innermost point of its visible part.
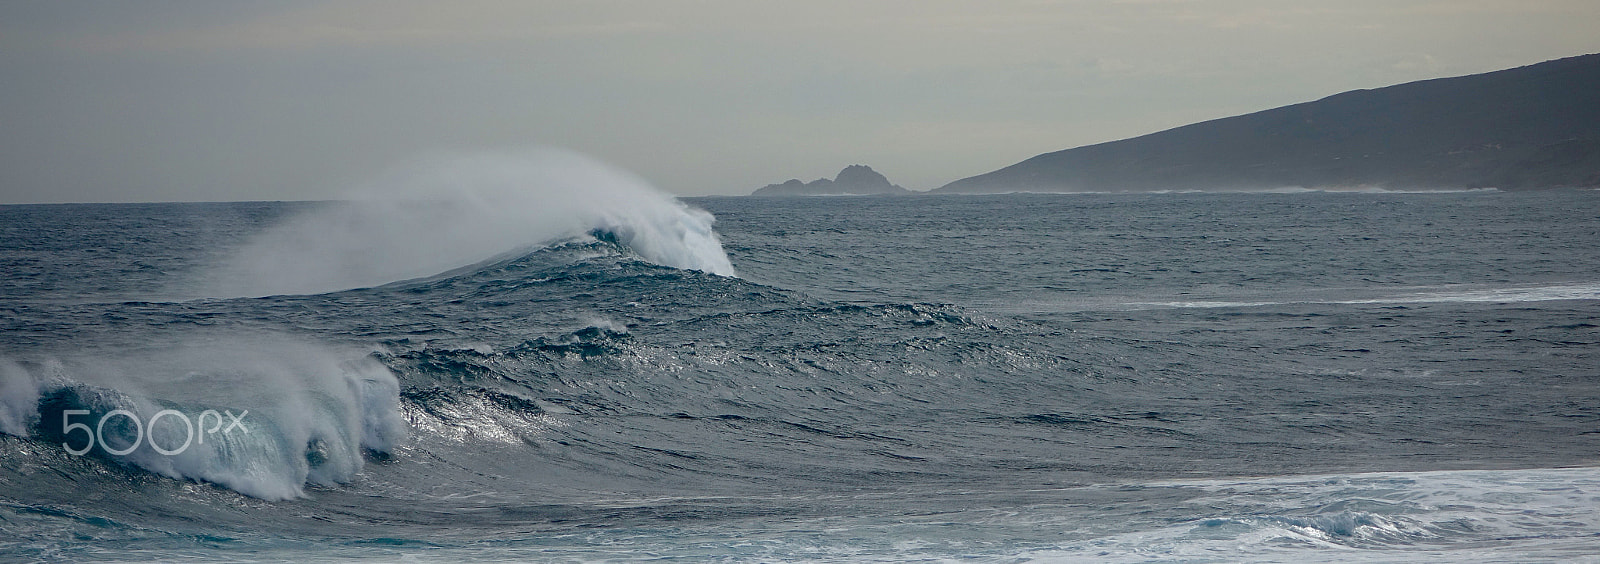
(455, 212)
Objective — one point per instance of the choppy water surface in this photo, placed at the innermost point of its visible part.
(1194, 377)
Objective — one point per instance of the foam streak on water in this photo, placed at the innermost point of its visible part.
(1516, 294)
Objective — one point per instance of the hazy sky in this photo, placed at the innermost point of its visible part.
(154, 101)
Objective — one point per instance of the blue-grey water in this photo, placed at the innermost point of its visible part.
(1096, 377)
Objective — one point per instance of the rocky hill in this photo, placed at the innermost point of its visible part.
(1529, 127)
(854, 180)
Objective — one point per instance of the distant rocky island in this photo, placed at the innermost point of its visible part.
(1529, 127)
(854, 180)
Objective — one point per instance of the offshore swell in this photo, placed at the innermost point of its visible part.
(1366, 376)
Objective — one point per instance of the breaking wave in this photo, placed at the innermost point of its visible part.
(455, 212)
(262, 415)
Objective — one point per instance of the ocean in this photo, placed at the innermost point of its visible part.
(616, 375)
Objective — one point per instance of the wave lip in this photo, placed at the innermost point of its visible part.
(450, 213)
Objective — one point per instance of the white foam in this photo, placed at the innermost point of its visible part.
(1514, 294)
(453, 212)
(1205, 304)
(1278, 190)
(1484, 515)
(1588, 291)
(1364, 189)
(19, 399)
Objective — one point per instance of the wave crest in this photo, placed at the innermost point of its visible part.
(455, 212)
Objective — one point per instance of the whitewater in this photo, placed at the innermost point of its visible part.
(534, 356)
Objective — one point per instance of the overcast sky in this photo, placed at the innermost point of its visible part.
(157, 101)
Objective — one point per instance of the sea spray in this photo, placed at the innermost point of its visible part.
(19, 395)
(453, 212)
